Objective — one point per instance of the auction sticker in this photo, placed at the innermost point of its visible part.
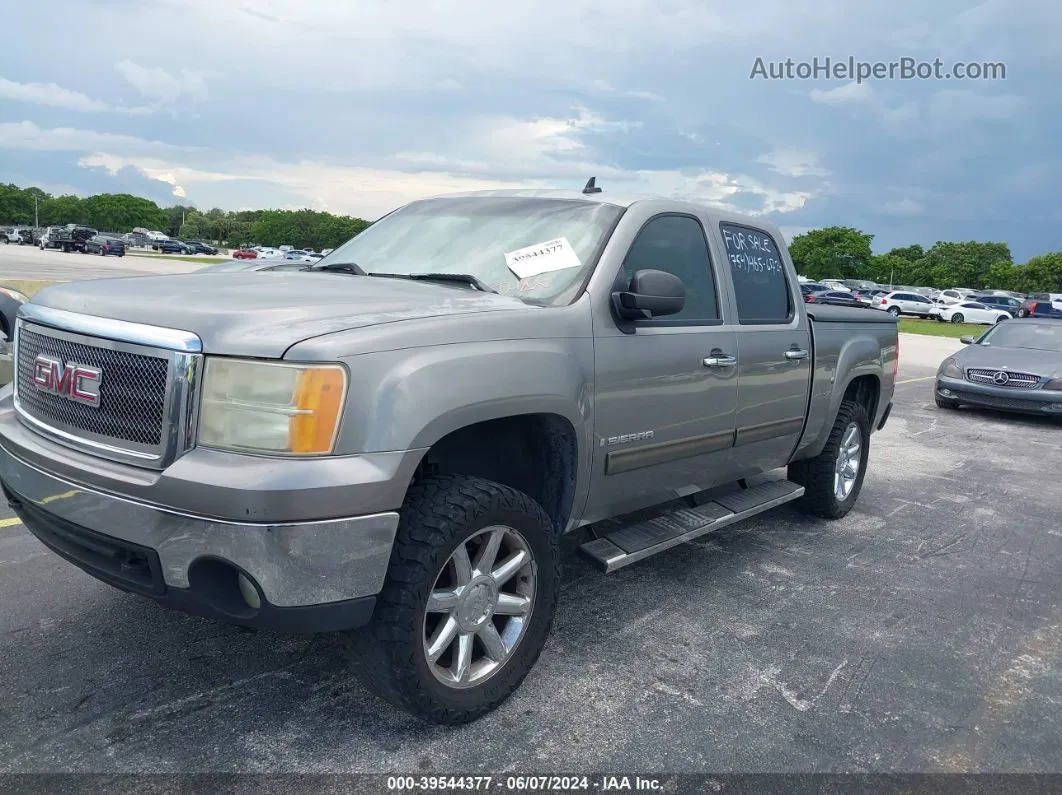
(553, 255)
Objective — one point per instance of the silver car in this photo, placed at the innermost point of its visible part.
(904, 303)
(1014, 366)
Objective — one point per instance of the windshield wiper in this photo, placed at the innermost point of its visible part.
(460, 278)
(339, 267)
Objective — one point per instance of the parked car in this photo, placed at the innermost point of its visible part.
(245, 253)
(170, 246)
(1011, 367)
(836, 298)
(954, 296)
(809, 288)
(835, 284)
(104, 245)
(199, 247)
(905, 303)
(1045, 301)
(310, 475)
(1005, 302)
(971, 312)
(10, 237)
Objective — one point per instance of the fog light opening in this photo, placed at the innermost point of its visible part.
(946, 392)
(249, 592)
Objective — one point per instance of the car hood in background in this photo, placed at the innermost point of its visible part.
(264, 314)
(1024, 360)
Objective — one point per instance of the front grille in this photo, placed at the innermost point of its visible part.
(1014, 380)
(132, 390)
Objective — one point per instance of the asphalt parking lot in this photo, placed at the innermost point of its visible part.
(920, 633)
(29, 262)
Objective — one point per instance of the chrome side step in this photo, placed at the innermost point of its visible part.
(624, 543)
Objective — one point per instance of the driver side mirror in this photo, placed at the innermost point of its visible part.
(967, 340)
(651, 293)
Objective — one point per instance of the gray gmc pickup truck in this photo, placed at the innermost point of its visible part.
(390, 444)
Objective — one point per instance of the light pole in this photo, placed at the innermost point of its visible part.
(36, 218)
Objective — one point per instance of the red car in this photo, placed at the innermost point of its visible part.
(245, 253)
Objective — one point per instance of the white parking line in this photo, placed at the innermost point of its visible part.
(912, 380)
(10, 522)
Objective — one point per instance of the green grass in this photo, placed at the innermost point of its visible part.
(26, 286)
(935, 328)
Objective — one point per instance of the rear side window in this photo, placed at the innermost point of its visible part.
(676, 244)
(760, 284)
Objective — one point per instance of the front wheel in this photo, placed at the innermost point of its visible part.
(1001, 318)
(957, 318)
(468, 601)
(833, 479)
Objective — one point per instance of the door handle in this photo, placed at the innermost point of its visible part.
(794, 353)
(720, 360)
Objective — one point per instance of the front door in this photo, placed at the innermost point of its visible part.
(666, 394)
(773, 351)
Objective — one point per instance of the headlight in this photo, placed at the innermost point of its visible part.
(1054, 384)
(288, 409)
(950, 368)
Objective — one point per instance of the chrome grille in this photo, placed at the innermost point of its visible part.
(1013, 380)
(133, 390)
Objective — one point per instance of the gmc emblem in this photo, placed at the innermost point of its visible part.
(76, 382)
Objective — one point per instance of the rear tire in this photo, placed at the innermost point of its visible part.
(829, 491)
(894, 311)
(441, 517)
(957, 318)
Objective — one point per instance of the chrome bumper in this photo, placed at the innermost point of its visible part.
(294, 565)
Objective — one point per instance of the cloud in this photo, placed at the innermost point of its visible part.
(848, 94)
(906, 206)
(158, 85)
(25, 135)
(50, 95)
(793, 163)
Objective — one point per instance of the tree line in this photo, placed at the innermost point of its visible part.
(841, 252)
(121, 212)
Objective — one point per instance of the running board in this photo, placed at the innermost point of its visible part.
(626, 543)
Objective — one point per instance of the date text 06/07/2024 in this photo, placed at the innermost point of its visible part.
(523, 783)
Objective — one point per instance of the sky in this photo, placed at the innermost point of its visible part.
(357, 107)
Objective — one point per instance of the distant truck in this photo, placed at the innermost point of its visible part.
(71, 237)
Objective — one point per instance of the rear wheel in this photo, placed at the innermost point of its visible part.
(894, 311)
(468, 601)
(833, 479)
(957, 318)
(1001, 318)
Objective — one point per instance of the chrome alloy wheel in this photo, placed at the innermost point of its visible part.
(849, 457)
(479, 607)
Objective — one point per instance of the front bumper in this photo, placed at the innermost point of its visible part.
(1028, 401)
(310, 576)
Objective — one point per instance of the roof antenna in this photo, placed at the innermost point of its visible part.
(591, 186)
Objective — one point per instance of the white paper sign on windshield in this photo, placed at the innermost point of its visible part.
(553, 255)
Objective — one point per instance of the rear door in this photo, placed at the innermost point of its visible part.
(773, 349)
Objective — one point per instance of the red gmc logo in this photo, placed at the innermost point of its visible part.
(72, 381)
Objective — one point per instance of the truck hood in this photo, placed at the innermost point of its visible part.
(1023, 360)
(264, 314)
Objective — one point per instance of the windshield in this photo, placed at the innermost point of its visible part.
(1036, 336)
(537, 250)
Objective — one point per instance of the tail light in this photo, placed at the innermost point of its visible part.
(884, 301)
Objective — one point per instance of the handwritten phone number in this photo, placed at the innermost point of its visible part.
(510, 783)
